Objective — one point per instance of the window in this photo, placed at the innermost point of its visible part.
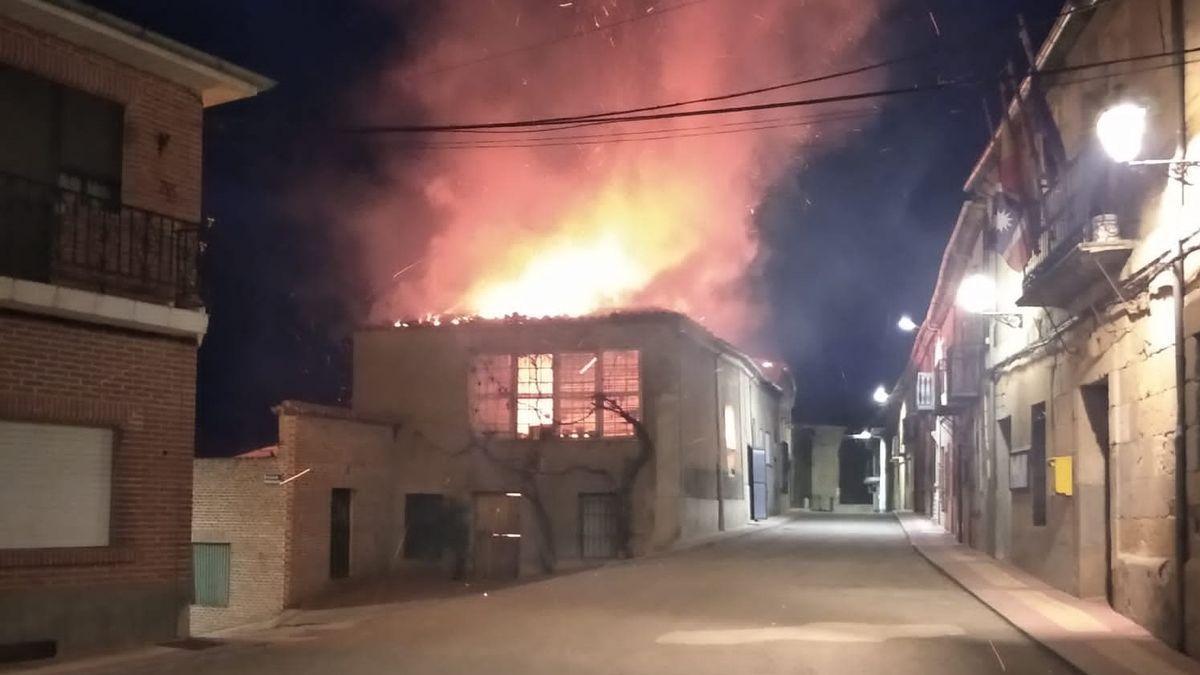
(55, 485)
(210, 575)
(621, 386)
(490, 400)
(530, 395)
(577, 388)
(51, 133)
(535, 394)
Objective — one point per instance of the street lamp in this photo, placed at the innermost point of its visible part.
(977, 295)
(880, 395)
(1121, 129)
(906, 324)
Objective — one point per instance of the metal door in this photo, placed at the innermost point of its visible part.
(339, 533)
(497, 535)
(598, 525)
(758, 483)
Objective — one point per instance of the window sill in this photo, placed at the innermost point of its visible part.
(64, 557)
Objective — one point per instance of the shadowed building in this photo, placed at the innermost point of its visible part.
(100, 319)
(511, 447)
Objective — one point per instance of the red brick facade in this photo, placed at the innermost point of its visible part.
(144, 387)
(166, 181)
(140, 384)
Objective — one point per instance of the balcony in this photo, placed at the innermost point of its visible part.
(1081, 246)
(66, 238)
(959, 377)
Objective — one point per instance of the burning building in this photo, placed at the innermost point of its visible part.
(517, 446)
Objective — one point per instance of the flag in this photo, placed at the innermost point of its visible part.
(1041, 122)
(1016, 220)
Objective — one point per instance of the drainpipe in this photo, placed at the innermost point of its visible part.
(1181, 498)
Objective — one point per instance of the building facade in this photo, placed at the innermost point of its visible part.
(1043, 424)
(501, 449)
(100, 319)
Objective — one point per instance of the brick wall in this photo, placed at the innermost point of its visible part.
(167, 180)
(142, 385)
(233, 505)
(341, 452)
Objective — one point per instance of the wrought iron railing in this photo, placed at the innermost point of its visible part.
(60, 236)
(1069, 206)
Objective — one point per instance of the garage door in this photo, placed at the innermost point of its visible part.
(55, 485)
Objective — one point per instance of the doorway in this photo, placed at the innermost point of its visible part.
(598, 525)
(758, 483)
(339, 533)
(497, 535)
(1037, 462)
(1095, 405)
(425, 527)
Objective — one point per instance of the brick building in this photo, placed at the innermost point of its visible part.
(100, 319)
(498, 446)
(1048, 396)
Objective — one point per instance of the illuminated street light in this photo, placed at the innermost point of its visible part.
(864, 435)
(906, 324)
(880, 395)
(1120, 129)
(977, 295)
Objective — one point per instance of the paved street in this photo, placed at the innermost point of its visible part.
(816, 594)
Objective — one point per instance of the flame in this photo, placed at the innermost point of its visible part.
(580, 226)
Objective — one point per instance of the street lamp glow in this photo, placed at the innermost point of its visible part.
(976, 294)
(1120, 129)
(906, 324)
(880, 395)
(864, 435)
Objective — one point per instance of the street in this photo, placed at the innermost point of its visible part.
(818, 593)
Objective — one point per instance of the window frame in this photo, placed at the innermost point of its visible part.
(556, 396)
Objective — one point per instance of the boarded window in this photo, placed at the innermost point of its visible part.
(210, 575)
(577, 387)
(622, 385)
(491, 404)
(535, 394)
(55, 485)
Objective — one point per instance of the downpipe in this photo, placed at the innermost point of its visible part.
(1182, 552)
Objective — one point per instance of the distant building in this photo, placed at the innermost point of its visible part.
(100, 319)
(505, 448)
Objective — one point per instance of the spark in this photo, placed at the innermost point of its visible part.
(587, 366)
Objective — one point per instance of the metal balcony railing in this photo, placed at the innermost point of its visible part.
(1070, 205)
(59, 236)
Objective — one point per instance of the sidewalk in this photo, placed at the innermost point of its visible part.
(1087, 634)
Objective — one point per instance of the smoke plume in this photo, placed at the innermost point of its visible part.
(590, 218)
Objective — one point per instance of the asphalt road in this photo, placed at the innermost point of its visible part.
(816, 594)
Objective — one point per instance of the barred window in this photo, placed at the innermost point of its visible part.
(490, 387)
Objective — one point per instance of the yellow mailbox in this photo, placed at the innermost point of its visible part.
(1061, 470)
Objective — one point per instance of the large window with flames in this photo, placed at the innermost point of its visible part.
(571, 395)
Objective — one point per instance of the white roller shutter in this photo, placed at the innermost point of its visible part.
(55, 485)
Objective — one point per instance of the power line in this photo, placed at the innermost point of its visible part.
(541, 123)
(647, 135)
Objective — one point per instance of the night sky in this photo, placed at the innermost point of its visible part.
(851, 239)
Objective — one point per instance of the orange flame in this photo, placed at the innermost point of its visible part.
(587, 225)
